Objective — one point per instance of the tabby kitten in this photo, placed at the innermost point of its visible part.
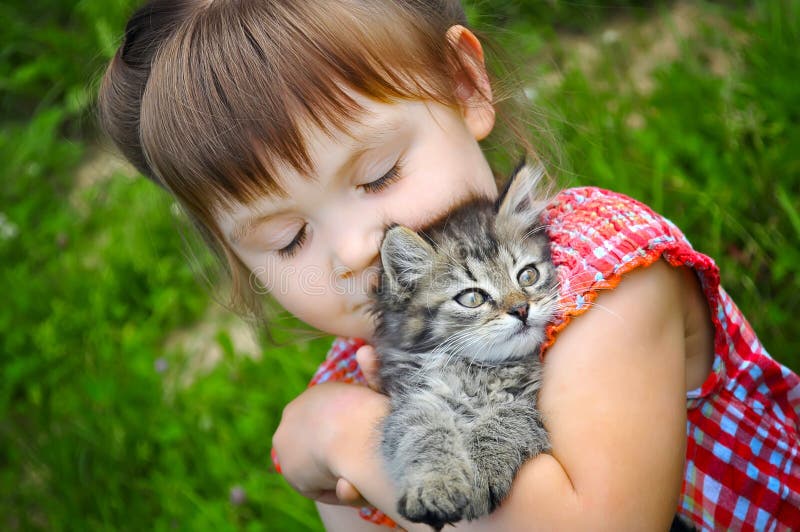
(461, 307)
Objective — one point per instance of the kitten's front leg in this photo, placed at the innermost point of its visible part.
(500, 443)
(429, 462)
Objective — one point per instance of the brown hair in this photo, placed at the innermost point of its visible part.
(205, 97)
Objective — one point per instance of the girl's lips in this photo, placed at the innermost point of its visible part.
(359, 306)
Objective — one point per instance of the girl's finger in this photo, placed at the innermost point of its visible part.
(346, 493)
(367, 360)
(323, 496)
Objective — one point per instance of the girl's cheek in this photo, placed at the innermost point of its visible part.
(426, 197)
(301, 287)
(265, 275)
(269, 274)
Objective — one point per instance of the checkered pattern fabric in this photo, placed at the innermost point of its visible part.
(743, 449)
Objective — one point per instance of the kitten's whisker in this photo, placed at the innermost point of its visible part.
(569, 288)
(459, 345)
(584, 285)
(534, 230)
(471, 359)
(450, 346)
(540, 227)
(464, 343)
(450, 340)
(592, 304)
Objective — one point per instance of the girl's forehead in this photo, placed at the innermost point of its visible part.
(373, 127)
(368, 120)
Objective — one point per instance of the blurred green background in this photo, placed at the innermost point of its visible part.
(129, 400)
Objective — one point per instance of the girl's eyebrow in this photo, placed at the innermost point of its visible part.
(370, 137)
(246, 226)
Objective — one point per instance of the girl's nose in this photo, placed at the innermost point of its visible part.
(355, 249)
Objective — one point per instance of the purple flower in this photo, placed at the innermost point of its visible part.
(62, 240)
(161, 365)
(238, 496)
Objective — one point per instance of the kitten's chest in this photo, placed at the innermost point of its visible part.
(479, 388)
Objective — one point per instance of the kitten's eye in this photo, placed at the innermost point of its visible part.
(528, 276)
(471, 298)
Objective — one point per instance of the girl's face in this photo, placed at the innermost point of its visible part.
(316, 251)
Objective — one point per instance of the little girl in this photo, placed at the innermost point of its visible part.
(294, 132)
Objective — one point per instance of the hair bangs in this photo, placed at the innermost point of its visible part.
(230, 96)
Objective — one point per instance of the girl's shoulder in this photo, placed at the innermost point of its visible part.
(597, 236)
(608, 229)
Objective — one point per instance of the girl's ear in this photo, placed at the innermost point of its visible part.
(473, 90)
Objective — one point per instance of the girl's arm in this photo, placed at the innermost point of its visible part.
(614, 403)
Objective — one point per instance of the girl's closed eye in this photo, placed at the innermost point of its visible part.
(292, 247)
(384, 181)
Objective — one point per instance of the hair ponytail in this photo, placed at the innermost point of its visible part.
(120, 96)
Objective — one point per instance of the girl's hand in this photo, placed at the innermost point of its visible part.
(325, 423)
(328, 436)
(367, 359)
(299, 443)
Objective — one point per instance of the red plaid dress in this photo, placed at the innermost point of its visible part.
(743, 449)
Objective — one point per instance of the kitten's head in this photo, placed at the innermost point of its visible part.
(478, 283)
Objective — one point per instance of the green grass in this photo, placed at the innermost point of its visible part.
(717, 154)
(94, 280)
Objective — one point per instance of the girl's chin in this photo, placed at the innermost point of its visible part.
(361, 325)
(353, 324)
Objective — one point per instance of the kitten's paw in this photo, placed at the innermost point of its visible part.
(436, 499)
(498, 489)
(486, 498)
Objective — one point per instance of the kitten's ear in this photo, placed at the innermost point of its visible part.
(405, 256)
(525, 196)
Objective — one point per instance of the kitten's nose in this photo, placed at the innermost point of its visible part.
(520, 311)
